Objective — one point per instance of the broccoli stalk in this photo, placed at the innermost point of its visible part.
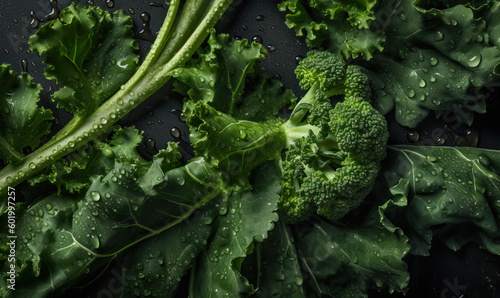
(333, 151)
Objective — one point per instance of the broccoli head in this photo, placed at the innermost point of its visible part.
(334, 150)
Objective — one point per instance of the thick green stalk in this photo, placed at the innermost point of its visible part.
(186, 26)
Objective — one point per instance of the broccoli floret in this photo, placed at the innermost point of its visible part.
(360, 130)
(333, 150)
(321, 70)
(357, 85)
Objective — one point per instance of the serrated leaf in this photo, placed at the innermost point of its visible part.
(22, 121)
(452, 194)
(246, 217)
(72, 173)
(220, 72)
(434, 60)
(90, 52)
(338, 26)
(346, 261)
(234, 146)
(359, 12)
(86, 231)
(275, 266)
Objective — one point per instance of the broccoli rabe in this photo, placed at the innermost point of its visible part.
(333, 150)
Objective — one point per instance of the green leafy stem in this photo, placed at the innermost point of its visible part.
(186, 26)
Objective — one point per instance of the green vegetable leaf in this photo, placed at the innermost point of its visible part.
(434, 60)
(90, 52)
(359, 12)
(79, 234)
(220, 72)
(321, 259)
(234, 146)
(22, 122)
(339, 26)
(264, 98)
(346, 261)
(274, 267)
(246, 217)
(72, 174)
(452, 194)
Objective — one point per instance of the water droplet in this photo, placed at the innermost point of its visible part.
(271, 48)
(439, 35)
(95, 196)
(413, 136)
(259, 18)
(422, 83)
(145, 33)
(243, 134)
(257, 39)
(110, 3)
(24, 65)
(433, 61)
(440, 141)
(474, 60)
(32, 165)
(432, 158)
(411, 94)
(224, 232)
(175, 132)
(298, 58)
(484, 160)
(34, 22)
(54, 13)
(207, 220)
(108, 153)
(402, 17)
(95, 241)
(181, 181)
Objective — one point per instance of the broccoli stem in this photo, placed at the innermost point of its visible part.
(184, 29)
(303, 105)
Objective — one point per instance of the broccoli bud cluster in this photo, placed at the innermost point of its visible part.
(333, 151)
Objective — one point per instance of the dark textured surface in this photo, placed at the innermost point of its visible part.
(470, 272)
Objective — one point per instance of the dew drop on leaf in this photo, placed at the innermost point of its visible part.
(439, 35)
(474, 60)
(108, 153)
(95, 241)
(95, 196)
(484, 160)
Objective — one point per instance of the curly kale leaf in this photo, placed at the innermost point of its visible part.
(90, 51)
(22, 121)
(223, 76)
(339, 26)
(127, 214)
(220, 72)
(435, 60)
(72, 173)
(451, 194)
